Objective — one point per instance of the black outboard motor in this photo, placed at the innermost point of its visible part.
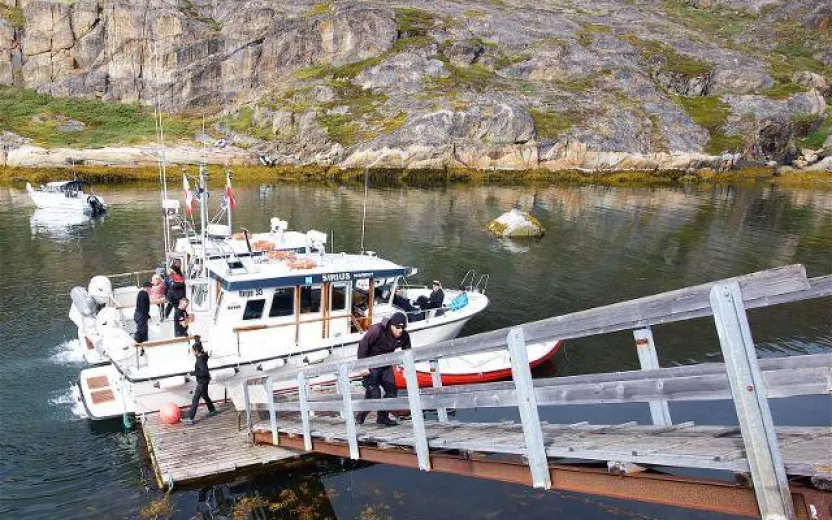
(95, 205)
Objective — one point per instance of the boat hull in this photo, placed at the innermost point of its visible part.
(460, 371)
(148, 396)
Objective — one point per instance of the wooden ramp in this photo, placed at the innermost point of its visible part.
(211, 447)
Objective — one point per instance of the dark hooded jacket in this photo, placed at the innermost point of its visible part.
(379, 340)
(201, 368)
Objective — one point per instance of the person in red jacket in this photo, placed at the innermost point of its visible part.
(382, 338)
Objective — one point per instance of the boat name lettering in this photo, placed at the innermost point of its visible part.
(362, 275)
(249, 294)
(335, 277)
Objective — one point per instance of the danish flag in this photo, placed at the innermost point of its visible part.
(229, 193)
(189, 195)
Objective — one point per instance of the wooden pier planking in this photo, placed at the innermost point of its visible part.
(211, 447)
(807, 451)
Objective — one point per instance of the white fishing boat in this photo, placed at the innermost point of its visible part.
(67, 196)
(254, 313)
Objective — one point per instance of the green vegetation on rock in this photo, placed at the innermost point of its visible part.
(817, 137)
(551, 125)
(710, 113)
(38, 117)
(14, 15)
(673, 61)
(320, 9)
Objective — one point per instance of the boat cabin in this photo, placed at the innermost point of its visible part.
(69, 189)
(294, 299)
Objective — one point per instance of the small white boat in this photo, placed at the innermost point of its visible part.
(67, 196)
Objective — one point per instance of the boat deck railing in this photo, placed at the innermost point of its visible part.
(749, 383)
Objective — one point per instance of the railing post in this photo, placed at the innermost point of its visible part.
(303, 396)
(649, 360)
(522, 375)
(416, 415)
(349, 415)
(268, 387)
(768, 473)
(436, 379)
(247, 400)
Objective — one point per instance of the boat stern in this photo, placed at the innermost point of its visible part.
(102, 394)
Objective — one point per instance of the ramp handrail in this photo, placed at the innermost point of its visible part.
(745, 379)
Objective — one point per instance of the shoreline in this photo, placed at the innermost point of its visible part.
(324, 174)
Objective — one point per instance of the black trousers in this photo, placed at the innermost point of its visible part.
(172, 304)
(141, 328)
(200, 392)
(379, 378)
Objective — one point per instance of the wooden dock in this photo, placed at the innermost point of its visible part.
(212, 447)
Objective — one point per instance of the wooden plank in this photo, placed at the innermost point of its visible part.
(642, 386)
(416, 414)
(648, 358)
(768, 473)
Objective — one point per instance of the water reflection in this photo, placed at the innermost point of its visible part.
(62, 226)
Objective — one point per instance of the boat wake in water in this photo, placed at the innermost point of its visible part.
(70, 397)
(68, 353)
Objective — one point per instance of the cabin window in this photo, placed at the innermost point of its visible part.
(310, 299)
(360, 292)
(383, 290)
(283, 303)
(339, 297)
(254, 309)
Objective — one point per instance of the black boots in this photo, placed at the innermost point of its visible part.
(384, 418)
(360, 417)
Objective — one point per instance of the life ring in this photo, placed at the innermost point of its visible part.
(281, 255)
(302, 263)
(262, 245)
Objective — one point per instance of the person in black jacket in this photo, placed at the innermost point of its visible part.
(141, 314)
(382, 338)
(203, 377)
(435, 300)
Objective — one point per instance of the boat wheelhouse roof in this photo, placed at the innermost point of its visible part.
(286, 273)
(219, 248)
(68, 184)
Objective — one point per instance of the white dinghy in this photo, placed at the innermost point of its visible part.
(67, 196)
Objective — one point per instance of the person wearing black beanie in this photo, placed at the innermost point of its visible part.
(382, 338)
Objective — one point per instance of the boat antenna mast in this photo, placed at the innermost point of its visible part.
(160, 137)
(364, 214)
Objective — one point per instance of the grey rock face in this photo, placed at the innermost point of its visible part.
(619, 99)
(740, 80)
(497, 124)
(464, 52)
(402, 72)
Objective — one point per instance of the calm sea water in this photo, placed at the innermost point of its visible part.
(603, 245)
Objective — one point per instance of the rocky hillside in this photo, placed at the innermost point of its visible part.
(521, 84)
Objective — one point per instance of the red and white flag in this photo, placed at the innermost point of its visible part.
(189, 195)
(229, 193)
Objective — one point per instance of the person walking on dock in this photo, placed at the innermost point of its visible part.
(382, 338)
(142, 313)
(203, 377)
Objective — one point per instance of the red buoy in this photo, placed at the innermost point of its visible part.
(169, 413)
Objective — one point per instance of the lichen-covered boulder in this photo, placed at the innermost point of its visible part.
(516, 223)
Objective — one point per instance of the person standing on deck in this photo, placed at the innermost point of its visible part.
(181, 319)
(142, 313)
(382, 338)
(176, 287)
(203, 377)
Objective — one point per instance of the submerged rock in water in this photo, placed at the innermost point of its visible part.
(516, 223)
